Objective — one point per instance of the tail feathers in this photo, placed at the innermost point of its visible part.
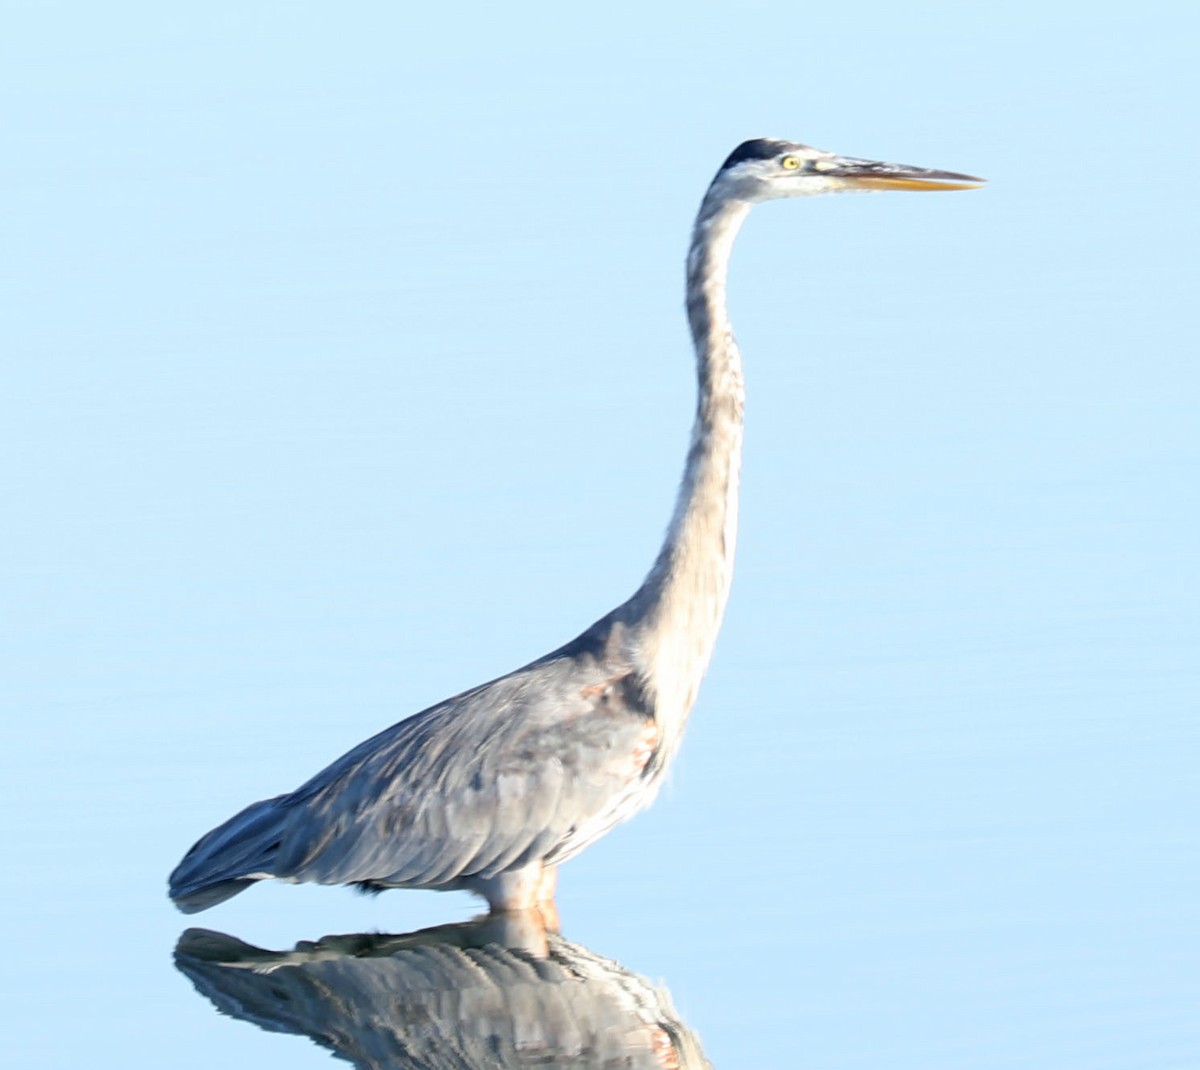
(230, 858)
(210, 895)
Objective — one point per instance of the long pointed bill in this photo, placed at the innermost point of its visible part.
(871, 174)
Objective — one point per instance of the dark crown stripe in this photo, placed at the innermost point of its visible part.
(761, 148)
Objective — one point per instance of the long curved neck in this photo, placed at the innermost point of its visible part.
(676, 613)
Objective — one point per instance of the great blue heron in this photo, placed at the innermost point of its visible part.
(490, 790)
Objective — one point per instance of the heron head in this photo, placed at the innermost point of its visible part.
(765, 169)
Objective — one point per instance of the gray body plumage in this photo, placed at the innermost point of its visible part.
(523, 771)
(490, 790)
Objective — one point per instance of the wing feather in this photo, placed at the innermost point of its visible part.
(484, 782)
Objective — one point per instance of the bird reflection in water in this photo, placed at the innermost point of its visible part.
(495, 992)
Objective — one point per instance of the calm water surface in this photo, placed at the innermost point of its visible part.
(302, 436)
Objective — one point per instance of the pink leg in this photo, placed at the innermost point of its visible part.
(548, 884)
(546, 889)
(527, 889)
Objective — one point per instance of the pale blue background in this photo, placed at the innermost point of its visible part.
(344, 367)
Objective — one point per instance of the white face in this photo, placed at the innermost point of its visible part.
(797, 171)
(773, 169)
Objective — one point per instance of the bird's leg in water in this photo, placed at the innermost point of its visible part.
(530, 888)
(547, 884)
(523, 930)
(545, 904)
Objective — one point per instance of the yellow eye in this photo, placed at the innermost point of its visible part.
(790, 163)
